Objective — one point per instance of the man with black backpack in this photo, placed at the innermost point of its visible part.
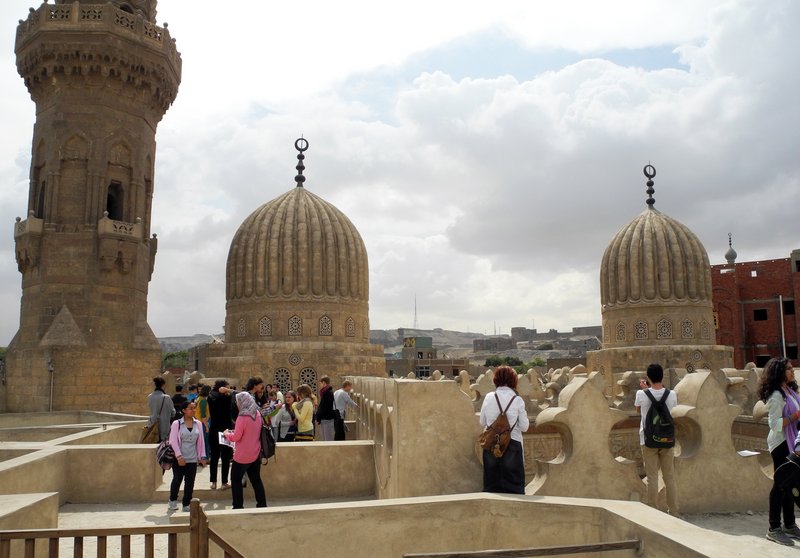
(657, 435)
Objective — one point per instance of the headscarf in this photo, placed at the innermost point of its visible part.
(247, 404)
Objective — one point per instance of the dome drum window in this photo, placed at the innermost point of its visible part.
(295, 326)
(664, 329)
(620, 331)
(325, 326)
(241, 328)
(350, 327)
(265, 327)
(283, 379)
(309, 376)
(641, 330)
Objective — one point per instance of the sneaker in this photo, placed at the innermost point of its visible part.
(213, 486)
(777, 535)
(172, 505)
(225, 486)
(793, 531)
(185, 509)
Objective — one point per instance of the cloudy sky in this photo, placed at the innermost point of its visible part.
(487, 152)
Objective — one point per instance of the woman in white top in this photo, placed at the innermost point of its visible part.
(506, 473)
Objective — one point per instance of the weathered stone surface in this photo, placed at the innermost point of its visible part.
(584, 421)
(707, 466)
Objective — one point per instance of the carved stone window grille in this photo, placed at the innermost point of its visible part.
(641, 331)
(664, 329)
(687, 329)
(325, 326)
(283, 379)
(365, 329)
(91, 14)
(705, 330)
(124, 20)
(309, 376)
(241, 328)
(152, 32)
(295, 326)
(620, 331)
(265, 327)
(350, 327)
(60, 12)
(295, 359)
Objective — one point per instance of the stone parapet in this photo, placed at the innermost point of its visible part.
(97, 39)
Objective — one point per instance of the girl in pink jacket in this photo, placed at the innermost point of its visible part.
(246, 436)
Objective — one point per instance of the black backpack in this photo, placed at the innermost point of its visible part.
(268, 445)
(659, 428)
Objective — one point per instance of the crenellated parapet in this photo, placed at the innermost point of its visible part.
(96, 42)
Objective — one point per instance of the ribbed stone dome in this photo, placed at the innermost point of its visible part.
(654, 258)
(297, 247)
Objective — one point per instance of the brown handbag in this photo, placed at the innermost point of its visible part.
(497, 435)
(150, 433)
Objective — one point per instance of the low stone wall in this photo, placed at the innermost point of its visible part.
(314, 470)
(85, 474)
(28, 511)
(467, 522)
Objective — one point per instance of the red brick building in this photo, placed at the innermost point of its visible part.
(754, 307)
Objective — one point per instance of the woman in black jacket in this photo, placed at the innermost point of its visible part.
(220, 420)
(326, 412)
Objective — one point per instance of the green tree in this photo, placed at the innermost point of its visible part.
(493, 361)
(3, 352)
(176, 359)
(512, 361)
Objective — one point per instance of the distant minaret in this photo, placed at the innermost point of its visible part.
(102, 76)
(730, 255)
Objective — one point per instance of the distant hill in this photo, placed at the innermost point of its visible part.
(389, 338)
(174, 344)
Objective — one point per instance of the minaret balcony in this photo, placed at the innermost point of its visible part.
(82, 18)
(121, 230)
(30, 226)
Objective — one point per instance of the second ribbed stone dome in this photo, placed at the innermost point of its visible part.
(656, 297)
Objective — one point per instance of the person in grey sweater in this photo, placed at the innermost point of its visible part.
(161, 408)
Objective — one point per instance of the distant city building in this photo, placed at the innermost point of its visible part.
(494, 344)
(754, 306)
(422, 358)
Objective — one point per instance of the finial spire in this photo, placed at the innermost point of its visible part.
(301, 144)
(650, 172)
(731, 254)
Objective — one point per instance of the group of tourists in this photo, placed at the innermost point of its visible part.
(221, 426)
(504, 469)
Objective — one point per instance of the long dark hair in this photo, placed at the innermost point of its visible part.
(773, 375)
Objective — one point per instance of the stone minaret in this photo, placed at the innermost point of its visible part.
(102, 76)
